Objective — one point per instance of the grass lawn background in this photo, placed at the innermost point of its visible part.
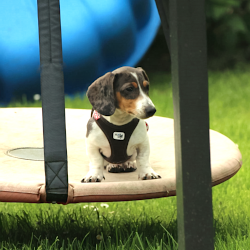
(147, 224)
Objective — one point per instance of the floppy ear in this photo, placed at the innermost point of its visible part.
(101, 94)
(144, 73)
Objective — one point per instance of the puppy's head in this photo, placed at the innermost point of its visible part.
(125, 88)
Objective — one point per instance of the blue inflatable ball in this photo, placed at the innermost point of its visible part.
(97, 37)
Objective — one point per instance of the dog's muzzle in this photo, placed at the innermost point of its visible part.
(150, 111)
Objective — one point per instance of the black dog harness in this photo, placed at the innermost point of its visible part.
(118, 137)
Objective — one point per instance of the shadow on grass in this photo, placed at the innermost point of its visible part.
(84, 229)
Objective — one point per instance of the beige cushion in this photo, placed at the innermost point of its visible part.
(23, 180)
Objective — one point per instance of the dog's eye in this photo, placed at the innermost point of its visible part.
(129, 89)
(147, 88)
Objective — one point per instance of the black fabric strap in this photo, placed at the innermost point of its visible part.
(53, 103)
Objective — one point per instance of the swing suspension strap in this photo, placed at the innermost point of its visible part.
(53, 103)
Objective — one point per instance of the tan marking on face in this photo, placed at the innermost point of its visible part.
(145, 83)
(126, 105)
(135, 84)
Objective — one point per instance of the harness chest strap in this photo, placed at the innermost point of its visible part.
(118, 137)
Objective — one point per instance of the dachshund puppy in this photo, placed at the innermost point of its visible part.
(116, 133)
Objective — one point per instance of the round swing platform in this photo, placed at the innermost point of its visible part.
(22, 177)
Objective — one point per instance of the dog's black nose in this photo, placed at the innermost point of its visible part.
(150, 111)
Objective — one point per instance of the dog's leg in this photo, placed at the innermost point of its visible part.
(128, 166)
(142, 161)
(96, 164)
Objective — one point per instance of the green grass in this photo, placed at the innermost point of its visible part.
(147, 224)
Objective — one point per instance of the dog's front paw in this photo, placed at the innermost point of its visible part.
(128, 166)
(148, 174)
(93, 176)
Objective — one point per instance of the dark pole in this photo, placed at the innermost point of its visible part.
(53, 104)
(191, 115)
(191, 123)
